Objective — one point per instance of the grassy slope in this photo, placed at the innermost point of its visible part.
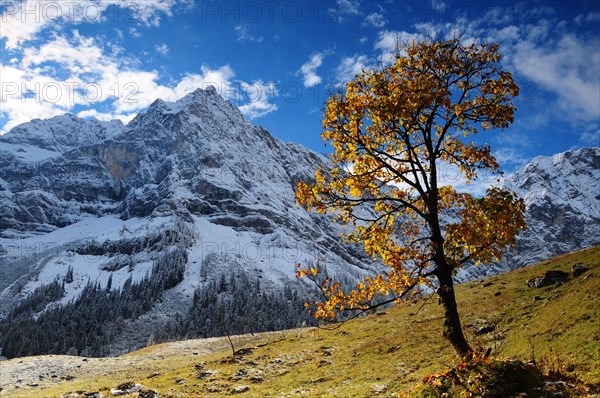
(380, 354)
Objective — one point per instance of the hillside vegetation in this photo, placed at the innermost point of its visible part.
(381, 354)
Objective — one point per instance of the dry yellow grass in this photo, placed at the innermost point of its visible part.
(377, 355)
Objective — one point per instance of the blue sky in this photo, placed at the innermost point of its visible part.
(277, 60)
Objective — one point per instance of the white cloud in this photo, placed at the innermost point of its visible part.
(260, 96)
(590, 138)
(350, 7)
(375, 19)
(23, 21)
(243, 34)
(428, 29)
(92, 113)
(438, 5)
(510, 32)
(568, 68)
(309, 69)
(388, 42)
(593, 17)
(133, 32)
(74, 74)
(162, 49)
(351, 66)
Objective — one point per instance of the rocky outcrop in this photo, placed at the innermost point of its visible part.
(548, 278)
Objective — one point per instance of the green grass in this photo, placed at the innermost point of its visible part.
(380, 354)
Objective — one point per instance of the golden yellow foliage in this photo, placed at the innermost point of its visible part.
(391, 130)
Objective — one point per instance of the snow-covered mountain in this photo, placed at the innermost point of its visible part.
(125, 233)
(562, 199)
(189, 192)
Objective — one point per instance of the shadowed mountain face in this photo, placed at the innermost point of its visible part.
(184, 221)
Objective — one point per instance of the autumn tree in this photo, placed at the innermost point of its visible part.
(392, 130)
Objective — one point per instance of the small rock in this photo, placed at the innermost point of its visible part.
(256, 379)
(199, 366)
(488, 284)
(179, 381)
(126, 388)
(537, 298)
(148, 394)
(485, 329)
(205, 374)
(553, 297)
(579, 269)
(379, 388)
(213, 388)
(240, 389)
(497, 294)
(244, 351)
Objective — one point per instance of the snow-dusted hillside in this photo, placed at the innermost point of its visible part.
(562, 199)
(191, 176)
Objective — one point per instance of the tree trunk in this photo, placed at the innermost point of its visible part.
(452, 327)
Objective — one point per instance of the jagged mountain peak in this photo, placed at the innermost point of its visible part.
(571, 177)
(40, 139)
(203, 107)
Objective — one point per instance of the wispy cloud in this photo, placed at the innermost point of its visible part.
(388, 42)
(350, 7)
(376, 20)
(567, 67)
(23, 21)
(259, 97)
(349, 67)
(162, 49)
(438, 5)
(244, 34)
(75, 74)
(309, 69)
